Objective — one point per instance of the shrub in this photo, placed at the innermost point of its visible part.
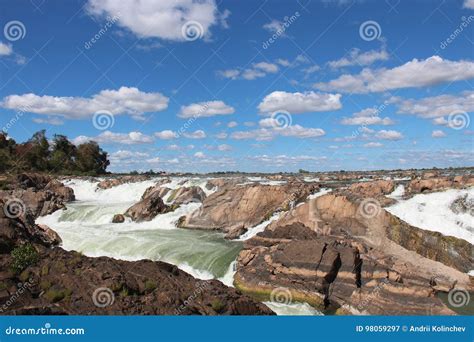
(23, 257)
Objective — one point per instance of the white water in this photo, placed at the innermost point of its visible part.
(293, 309)
(398, 192)
(319, 193)
(433, 212)
(258, 228)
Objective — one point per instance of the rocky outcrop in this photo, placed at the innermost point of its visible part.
(158, 189)
(148, 208)
(37, 194)
(187, 195)
(373, 189)
(333, 274)
(241, 207)
(417, 186)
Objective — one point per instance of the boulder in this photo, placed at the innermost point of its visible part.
(118, 218)
(148, 208)
(187, 195)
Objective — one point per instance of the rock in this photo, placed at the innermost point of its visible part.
(118, 218)
(462, 205)
(233, 208)
(33, 180)
(158, 189)
(373, 189)
(331, 274)
(432, 184)
(187, 195)
(148, 208)
(111, 182)
(64, 192)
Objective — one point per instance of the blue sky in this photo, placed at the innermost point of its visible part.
(244, 85)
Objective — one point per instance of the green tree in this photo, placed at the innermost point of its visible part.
(91, 159)
(63, 154)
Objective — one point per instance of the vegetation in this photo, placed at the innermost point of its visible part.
(59, 157)
(23, 256)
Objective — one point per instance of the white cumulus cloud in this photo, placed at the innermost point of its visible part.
(205, 109)
(300, 102)
(416, 73)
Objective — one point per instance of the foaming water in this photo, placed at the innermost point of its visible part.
(293, 309)
(86, 226)
(258, 228)
(398, 192)
(433, 212)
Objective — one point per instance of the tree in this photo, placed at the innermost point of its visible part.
(91, 159)
(36, 152)
(63, 154)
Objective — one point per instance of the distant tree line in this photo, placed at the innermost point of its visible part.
(60, 156)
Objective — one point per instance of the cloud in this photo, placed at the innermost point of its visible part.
(367, 117)
(230, 73)
(199, 134)
(166, 135)
(436, 106)
(205, 109)
(5, 49)
(468, 4)
(109, 137)
(122, 155)
(299, 102)
(232, 124)
(221, 135)
(160, 19)
(416, 73)
(125, 100)
(224, 147)
(373, 145)
(199, 154)
(49, 121)
(438, 134)
(389, 135)
(275, 26)
(258, 70)
(356, 57)
(270, 129)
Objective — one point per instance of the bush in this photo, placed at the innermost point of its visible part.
(23, 257)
